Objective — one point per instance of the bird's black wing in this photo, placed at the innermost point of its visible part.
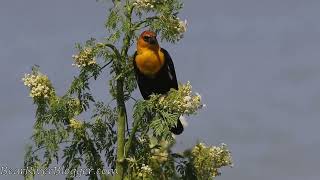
(178, 129)
(147, 86)
(171, 70)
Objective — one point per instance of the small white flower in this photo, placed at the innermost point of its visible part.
(39, 85)
(141, 140)
(182, 26)
(202, 145)
(188, 105)
(197, 94)
(161, 99)
(173, 136)
(146, 169)
(144, 4)
(85, 58)
(187, 99)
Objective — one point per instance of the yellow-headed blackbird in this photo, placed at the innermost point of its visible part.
(154, 70)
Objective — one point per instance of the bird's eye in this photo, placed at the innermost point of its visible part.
(146, 38)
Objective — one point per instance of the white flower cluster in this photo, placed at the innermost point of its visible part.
(181, 101)
(213, 151)
(174, 24)
(210, 159)
(145, 171)
(85, 58)
(75, 124)
(144, 4)
(141, 140)
(182, 26)
(160, 155)
(39, 85)
(75, 105)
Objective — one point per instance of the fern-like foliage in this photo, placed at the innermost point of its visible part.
(61, 135)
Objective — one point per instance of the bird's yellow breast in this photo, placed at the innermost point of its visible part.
(149, 62)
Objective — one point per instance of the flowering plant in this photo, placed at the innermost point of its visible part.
(39, 84)
(143, 151)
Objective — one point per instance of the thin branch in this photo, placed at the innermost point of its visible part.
(99, 70)
(114, 49)
(135, 100)
(138, 24)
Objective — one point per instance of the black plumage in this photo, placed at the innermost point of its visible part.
(159, 83)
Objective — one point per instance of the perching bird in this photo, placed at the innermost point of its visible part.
(154, 70)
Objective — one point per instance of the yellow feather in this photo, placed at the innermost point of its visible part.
(149, 62)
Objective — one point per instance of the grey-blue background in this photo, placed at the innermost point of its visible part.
(255, 62)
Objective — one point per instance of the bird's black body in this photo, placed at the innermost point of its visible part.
(160, 83)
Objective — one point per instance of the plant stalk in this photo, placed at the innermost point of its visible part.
(122, 114)
(121, 130)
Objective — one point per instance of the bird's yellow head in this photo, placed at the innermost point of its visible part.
(147, 40)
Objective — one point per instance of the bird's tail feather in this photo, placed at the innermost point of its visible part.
(178, 129)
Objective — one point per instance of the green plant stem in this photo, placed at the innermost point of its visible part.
(132, 134)
(138, 25)
(114, 49)
(128, 35)
(121, 130)
(122, 115)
